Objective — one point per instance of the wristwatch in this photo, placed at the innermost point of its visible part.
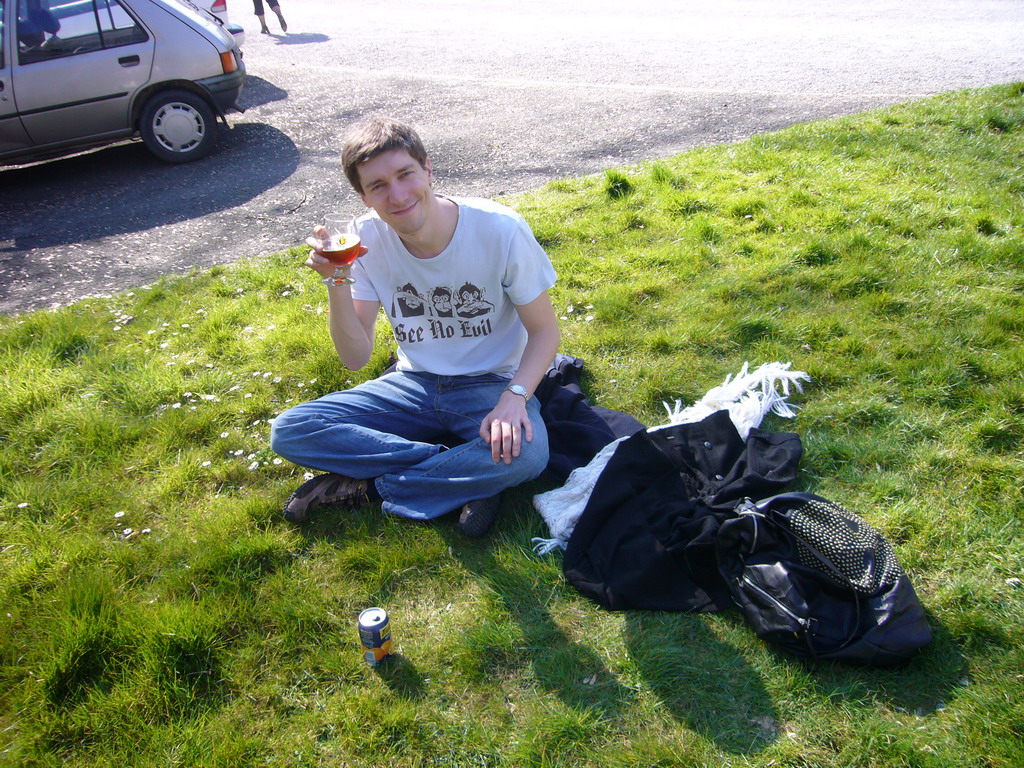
(518, 389)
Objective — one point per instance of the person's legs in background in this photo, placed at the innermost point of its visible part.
(257, 6)
(277, 9)
(258, 9)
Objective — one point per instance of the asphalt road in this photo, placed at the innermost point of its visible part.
(507, 95)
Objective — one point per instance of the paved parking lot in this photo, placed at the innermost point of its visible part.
(506, 95)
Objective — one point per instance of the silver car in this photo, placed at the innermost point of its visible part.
(79, 73)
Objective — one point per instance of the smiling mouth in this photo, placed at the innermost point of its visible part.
(403, 211)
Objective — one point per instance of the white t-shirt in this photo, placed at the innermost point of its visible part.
(455, 313)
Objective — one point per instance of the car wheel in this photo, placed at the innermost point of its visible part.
(178, 126)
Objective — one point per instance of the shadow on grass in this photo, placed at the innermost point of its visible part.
(922, 687)
(702, 681)
(572, 672)
(707, 683)
(400, 675)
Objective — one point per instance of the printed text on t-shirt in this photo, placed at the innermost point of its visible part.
(446, 313)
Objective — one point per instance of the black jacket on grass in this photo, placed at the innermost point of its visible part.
(646, 538)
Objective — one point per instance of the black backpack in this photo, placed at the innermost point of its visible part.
(816, 580)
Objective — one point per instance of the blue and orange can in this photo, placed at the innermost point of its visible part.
(375, 633)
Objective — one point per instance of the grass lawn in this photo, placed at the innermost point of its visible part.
(156, 610)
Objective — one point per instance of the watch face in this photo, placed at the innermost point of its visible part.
(517, 389)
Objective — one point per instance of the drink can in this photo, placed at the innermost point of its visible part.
(375, 633)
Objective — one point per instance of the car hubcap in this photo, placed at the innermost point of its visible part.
(178, 127)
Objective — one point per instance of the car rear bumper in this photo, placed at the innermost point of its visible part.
(225, 89)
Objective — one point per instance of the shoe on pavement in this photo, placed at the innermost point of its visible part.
(328, 490)
(476, 518)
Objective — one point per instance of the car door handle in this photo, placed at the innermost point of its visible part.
(128, 61)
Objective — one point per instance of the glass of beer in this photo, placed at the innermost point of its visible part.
(341, 246)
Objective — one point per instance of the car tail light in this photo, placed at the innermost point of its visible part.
(219, 6)
(228, 62)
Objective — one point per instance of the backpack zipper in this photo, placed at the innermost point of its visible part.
(804, 623)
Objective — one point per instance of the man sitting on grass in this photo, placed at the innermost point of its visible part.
(467, 366)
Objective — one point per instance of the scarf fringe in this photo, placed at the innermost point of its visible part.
(748, 397)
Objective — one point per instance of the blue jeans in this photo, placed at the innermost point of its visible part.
(388, 428)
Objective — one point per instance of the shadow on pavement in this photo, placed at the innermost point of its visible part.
(131, 191)
(300, 39)
(258, 92)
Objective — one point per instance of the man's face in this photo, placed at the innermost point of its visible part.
(397, 187)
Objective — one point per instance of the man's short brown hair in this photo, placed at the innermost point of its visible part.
(373, 137)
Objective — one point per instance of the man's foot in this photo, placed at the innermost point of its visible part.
(476, 518)
(328, 490)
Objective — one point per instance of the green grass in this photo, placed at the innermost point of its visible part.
(155, 610)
